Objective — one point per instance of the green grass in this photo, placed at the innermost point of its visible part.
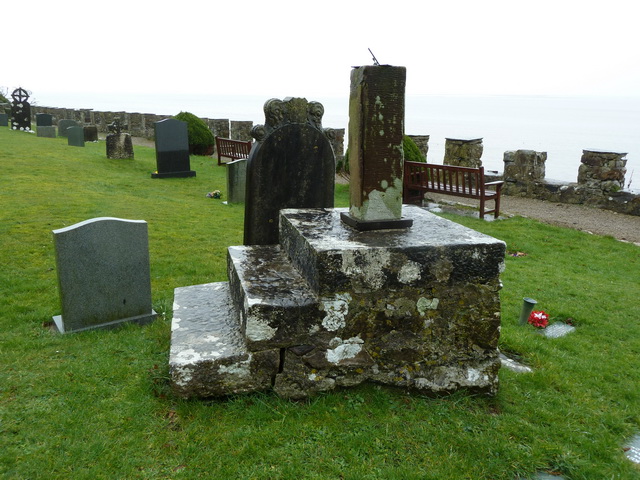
(96, 405)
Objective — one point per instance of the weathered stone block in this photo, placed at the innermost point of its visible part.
(376, 129)
(236, 180)
(276, 306)
(463, 152)
(47, 132)
(208, 355)
(119, 146)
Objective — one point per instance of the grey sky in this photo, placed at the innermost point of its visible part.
(286, 48)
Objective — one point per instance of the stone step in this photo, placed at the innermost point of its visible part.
(277, 307)
(209, 355)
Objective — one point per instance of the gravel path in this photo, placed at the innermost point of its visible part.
(587, 219)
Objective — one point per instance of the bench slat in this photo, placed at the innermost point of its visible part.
(233, 149)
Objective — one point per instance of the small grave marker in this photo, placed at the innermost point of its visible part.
(75, 136)
(172, 149)
(44, 120)
(103, 274)
(557, 330)
(4, 120)
(64, 124)
(236, 180)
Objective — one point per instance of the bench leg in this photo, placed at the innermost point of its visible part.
(481, 213)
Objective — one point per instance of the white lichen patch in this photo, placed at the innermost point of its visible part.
(473, 376)
(187, 356)
(259, 329)
(410, 272)
(385, 204)
(348, 349)
(336, 310)
(423, 304)
(181, 375)
(210, 339)
(240, 370)
(175, 323)
(367, 266)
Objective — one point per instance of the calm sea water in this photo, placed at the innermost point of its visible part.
(560, 126)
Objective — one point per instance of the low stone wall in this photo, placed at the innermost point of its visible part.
(142, 124)
(600, 180)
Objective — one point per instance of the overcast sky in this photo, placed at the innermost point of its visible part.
(300, 48)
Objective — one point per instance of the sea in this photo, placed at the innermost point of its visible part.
(562, 126)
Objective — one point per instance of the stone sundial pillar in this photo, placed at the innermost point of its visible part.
(376, 130)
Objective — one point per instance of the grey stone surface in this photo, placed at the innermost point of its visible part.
(103, 274)
(277, 307)
(376, 130)
(514, 366)
(119, 146)
(64, 124)
(557, 330)
(633, 449)
(172, 149)
(292, 165)
(48, 132)
(75, 136)
(463, 152)
(236, 180)
(4, 120)
(208, 355)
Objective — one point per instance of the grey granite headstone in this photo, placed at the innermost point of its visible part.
(103, 274)
(48, 132)
(75, 136)
(292, 165)
(236, 180)
(44, 120)
(4, 120)
(172, 149)
(64, 124)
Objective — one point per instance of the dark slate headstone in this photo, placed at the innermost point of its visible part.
(90, 133)
(172, 149)
(292, 165)
(103, 274)
(20, 110)
(119, 145)
(47, 132)
(64, 124)
(44, 120)
(75, 136)
(4, 120)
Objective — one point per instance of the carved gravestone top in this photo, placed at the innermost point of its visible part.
(292, 165)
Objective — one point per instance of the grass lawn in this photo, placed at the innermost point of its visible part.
(97, 405)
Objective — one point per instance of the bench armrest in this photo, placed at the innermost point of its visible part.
(497, 182)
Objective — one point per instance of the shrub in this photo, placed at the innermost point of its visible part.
(411, 151)
(201, 140)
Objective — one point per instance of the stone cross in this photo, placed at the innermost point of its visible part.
(20, 110)
(376, 130)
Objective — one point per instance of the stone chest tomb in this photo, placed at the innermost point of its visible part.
(379, 292)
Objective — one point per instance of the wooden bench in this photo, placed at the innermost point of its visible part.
(420, 178)
(233, 149)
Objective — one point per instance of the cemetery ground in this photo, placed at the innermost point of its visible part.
(97, 404)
